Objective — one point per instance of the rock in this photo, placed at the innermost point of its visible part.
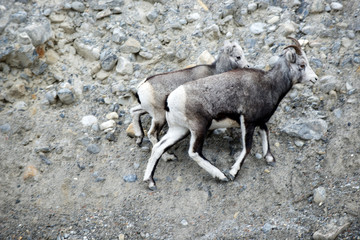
(57, 18)
(257, 28)
(193, 17)
(107, 125)
(130, 130)
(212, 32)
(66, 96)
(87, 48)
(317, 6)
(205, 58)
(130, 178)
(319, 195)
(5, 128)
(110, 136)
(23, 57)
(39, 32)
(101, 75)
(124, 66)
(51, 56)
(39, 68)
(184, 222)
(331, 230)
(18, 17)
(93, 149)
(30, 172)
(306, 129)
(131, 46)
(102, 14)
(89, 120)
(328, 83)
(20, 106)
(152, 15)
(273, 20)
(287, 28)
(118, 35)
(108, 59)
(18, 89)
(112, 115)
(299, 143)
(78, 6)
(336, 6)
(252, 7)
(267, 227)
(146, 55)
(51, 96)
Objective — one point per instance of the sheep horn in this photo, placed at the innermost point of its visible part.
(295, 41)
(297, 49)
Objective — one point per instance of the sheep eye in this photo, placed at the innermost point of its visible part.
(238, 57)
(302, 66)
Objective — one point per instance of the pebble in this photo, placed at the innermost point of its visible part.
(205, 58)
(112, 115)
(267, 227)
(331, 230)
(336, 6)
(319, 195)
(21, 106)
(184, 222)
(93, 149)
(257, 28)
(130, 130)
(30, 172)
(5, 128)
(299, 143)
(89, 120)
(66, 96)
(110, 136)
(107, 125)
(258, 155)
(152, 15)
(108, 59)
(78, 6)
(131, 46)
(124, 66)
(130, 178)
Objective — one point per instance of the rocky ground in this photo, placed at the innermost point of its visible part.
(69, 170)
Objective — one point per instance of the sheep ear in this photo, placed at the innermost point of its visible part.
(227, 46)
(290, 56)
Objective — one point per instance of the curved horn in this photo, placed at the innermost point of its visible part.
(295, 41)
(297, 49)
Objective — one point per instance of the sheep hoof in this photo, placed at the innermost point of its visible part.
(153, 188)
(139, 141)
(273, 164)
(228, 175)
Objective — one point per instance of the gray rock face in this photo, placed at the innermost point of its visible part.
(306, 129)
(39, 32)
(66, 96)
(131, 46)
(108, 59)
(124, 66)
(78, 6)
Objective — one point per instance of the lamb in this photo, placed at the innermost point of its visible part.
(245, 97)
(152, 92)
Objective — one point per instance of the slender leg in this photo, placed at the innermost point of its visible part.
(247, 133)
(157, 123)
(173, 135)
(136, 112)
(264, 131)
(195, 152)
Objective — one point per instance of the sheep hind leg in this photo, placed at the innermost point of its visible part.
(157, 124)
(173, 135)
(264, 131)
(136, 113)
(195, 152)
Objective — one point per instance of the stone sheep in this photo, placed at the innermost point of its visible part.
(245, 97)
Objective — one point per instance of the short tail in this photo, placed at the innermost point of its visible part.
(166, 104)
(137, 97)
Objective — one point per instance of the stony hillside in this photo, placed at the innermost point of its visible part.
(70, 169)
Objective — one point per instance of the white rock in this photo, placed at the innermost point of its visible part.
(112, 115)
(205, 58)
(89, 120)
(336, 6)
(21, 106)
(257, 28)
(252, 7)
(319, 195)
(107, 124)
(273, 20)
(124, 66)
(193, 17)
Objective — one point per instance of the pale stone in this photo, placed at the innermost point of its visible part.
(205, 58)
(51, 56)
(89, 120)
(130, 130)
(107, 124)
(131, 46)
(112, 115)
